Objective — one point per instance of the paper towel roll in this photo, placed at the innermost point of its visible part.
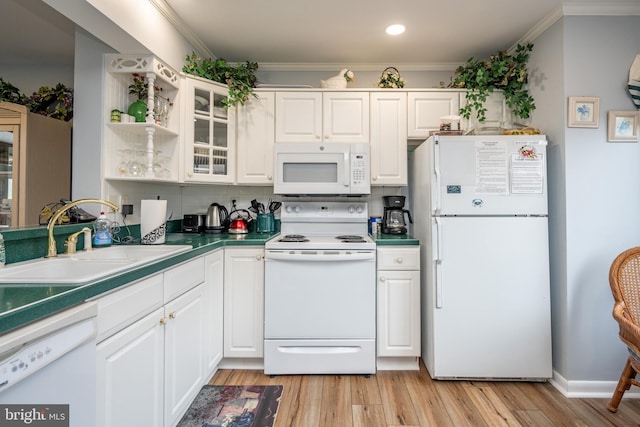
(153, 221)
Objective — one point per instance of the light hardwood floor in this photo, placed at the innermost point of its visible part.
(412, 398)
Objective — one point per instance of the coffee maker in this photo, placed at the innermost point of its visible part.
(393, 219)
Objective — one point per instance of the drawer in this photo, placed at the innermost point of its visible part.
(405, 258)
(180, 279)
(121, 308)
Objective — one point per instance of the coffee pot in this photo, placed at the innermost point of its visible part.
(217, 219)
(393, 219)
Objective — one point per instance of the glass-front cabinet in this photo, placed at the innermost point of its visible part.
(209, 137)
(7, 133)
(35, 165)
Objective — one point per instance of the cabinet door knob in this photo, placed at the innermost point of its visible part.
(374, 178)
(163, 321)
(269, 177)
(382, 278)
(172, 315)
(259, 257)
(399, 260)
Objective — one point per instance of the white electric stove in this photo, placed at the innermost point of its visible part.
(320, 291)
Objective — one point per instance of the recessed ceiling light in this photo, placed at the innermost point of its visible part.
(395, 29)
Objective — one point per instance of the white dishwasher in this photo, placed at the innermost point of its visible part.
(50, 363)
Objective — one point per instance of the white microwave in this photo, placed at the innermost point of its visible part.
(322, 168)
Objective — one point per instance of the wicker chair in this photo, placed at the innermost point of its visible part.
(624, 279)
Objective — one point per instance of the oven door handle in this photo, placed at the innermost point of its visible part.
(324, 256)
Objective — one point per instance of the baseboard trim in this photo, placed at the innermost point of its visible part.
(240, 363)
(397, 364)
(589, 389)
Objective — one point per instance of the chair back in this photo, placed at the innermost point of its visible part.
(624, 279)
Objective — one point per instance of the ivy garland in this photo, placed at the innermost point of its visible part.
(500, 72)
(56, 102)
(240, 78)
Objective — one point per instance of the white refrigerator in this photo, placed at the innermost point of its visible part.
(480, 212)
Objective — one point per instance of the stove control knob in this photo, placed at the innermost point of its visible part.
(351, 209)
(289, 209)
(359, 209)
(297, 209)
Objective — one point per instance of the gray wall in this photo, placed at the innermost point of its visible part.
(593, 186)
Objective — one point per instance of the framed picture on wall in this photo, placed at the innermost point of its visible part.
(623, 126)
(583, 111)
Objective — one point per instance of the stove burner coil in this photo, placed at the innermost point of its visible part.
(351, 239)
(293, 238)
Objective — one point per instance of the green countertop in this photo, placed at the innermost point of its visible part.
(395, 240)
(25, 303)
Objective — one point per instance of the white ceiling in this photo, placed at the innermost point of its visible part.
(312, 34)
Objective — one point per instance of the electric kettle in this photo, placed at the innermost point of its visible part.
(217, 219)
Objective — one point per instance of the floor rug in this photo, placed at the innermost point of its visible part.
(233, 406)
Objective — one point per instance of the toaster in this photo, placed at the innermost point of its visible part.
(193, 223)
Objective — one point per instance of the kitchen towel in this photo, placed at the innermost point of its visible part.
(153, 222)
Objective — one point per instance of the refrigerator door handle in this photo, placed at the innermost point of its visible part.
(437, 260)
(435, 184)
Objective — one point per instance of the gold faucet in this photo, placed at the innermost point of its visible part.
(52, 251)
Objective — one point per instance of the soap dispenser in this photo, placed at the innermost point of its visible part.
(102, 231)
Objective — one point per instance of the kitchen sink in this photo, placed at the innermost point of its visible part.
(87, 266)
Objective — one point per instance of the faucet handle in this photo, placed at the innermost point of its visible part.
(72, 241)
(70, 244)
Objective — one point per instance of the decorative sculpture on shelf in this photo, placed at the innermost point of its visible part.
(338, 81)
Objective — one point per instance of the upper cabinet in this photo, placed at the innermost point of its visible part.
(426, 109)
(255, 139)
(208, 132)
(146, 150)
(388, 138)
(322, 117)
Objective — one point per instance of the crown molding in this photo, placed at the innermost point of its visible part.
(171, 16)
(314, 66)
(609, 8)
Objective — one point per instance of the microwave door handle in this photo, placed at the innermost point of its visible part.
(347, 169)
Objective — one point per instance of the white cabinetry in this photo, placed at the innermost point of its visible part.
(209, 133)
(213, 316)
(255, 139)
(244, 302)
(130, 375)
(149, 369)
(398, 337)
(322, 117)
(388, 138)
(426, 108)
(142, 151)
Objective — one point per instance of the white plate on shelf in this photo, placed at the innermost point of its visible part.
(219, 112)
(201, 103)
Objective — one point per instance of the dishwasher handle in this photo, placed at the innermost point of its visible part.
(320, 256)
